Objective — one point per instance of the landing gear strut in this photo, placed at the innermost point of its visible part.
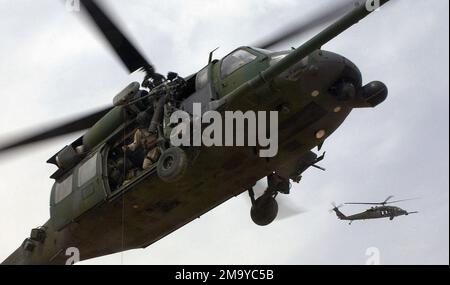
(265, 208)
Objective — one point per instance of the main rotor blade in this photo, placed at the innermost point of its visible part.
(397, 201)
(387, 199)
(125, 50)
(75, 125)
(383, 203)
(331, 13)
(363, 203)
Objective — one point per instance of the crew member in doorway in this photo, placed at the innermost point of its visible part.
(147, 140)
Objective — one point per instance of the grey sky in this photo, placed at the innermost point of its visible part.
(54, 66)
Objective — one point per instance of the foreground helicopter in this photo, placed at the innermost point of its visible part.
(379, 212)
(97, 210)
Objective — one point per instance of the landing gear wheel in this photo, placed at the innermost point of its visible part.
(172, 164)
(264, 211)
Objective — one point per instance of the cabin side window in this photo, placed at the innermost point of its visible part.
(234, 61)
(87, 171)
(63, 189)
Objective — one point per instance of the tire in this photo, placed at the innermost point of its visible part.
(172, 164)
(264, 211)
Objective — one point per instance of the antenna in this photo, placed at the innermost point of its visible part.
(211, 54)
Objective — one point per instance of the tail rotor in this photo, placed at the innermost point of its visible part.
(335, 207)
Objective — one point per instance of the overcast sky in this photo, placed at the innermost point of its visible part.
(53, 66)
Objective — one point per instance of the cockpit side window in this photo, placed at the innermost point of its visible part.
(201, 78)
(235, 60)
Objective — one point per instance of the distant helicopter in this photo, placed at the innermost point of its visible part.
(379, 212)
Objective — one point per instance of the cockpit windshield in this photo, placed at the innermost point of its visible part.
(235, 60)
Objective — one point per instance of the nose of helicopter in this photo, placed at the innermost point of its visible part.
(325, 87)
(347, 87)
(334, 82)
(341, 79)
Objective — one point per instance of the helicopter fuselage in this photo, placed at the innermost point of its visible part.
(378, 212)
(98, 221)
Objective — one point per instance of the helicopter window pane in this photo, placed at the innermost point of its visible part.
(63, 189)
(87, 171)
(202, 78)
(236, 60)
